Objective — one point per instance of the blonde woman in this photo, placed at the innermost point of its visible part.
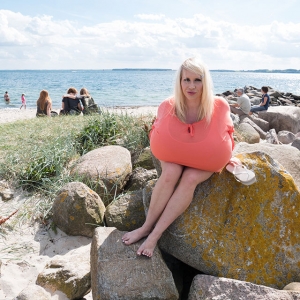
(193, 138)
(44, 104)
(88, 103)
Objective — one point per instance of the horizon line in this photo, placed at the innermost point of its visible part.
(160, 69)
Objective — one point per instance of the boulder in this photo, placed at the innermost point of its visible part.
(286, 155)
(271, 137)
(77, 209)
(69, 274)
(144, 160)
(296, 143)
(285, 137)
(282, 118)
(248, 133)
(293, 286)
(118, 273)
(32, 292)
(139, 178)
(209, 287)
(255, 100)
(261, 133)
(127, 212)
(249, 233)
(264, 125)
(107, 168)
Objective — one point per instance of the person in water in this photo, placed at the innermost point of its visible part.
(192, 137)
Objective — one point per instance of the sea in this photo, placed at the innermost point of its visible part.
(125, 87)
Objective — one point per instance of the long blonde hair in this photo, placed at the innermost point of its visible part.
(206, 107)
(44, 97)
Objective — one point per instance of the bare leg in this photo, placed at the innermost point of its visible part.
(161, 194)
(178, 203)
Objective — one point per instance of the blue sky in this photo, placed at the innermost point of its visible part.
(90, 34)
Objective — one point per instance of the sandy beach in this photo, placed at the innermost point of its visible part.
(26, 249)
(15, 114)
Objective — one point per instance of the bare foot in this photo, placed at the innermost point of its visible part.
(147, 248)
(134, 236)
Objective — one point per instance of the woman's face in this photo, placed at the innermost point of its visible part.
(191, 85)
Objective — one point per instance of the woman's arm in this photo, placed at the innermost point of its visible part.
(72, 96)
(49, 109)
(264, 102)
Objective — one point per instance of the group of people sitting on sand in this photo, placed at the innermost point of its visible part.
(72, 104)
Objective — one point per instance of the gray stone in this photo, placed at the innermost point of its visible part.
(271, 137)
(144, 160)
(33, 292)
(118, 273)
(285, 137)
(139, 178)
(255, 100)
(248, 133)
(127, 212)
(212, 288)
(69, 274)
(77, 209)
(282, 118)
(286, 155)
(264, 125)
(293, 286)
(107, 168)
(296, 143)
(258, 129)
(6, 193)
(242, 232)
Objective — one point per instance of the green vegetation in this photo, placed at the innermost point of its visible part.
(36, 155)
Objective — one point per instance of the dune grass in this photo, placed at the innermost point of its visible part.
(36, 154)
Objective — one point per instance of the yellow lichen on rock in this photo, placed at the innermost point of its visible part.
(249, 233)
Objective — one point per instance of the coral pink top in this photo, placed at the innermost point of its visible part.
(199, 145)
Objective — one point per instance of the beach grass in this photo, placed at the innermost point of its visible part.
(36, 155)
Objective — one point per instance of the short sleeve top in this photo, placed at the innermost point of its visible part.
(198, 145)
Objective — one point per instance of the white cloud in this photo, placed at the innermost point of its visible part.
(150, 16)
(42, 42)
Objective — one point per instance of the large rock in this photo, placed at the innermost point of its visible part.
(32, 292)
(258, 129)
(127, 212)
(139, 178)
(118, 273)
(144, 159)
(286, 155)
(208, 288)
(77, 209)
(107, 168)
(69, 274)
(285, 137)
(296, 143)
(282, 118)
(249, 233)
(248, 133)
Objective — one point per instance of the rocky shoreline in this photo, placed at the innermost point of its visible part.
(234, 242)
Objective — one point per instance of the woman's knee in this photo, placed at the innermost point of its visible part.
(192, 177)
(170, 172)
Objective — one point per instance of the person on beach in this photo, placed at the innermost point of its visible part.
(71, 103)
(264, 102)
(243, 104)
(192, 137)
(88, 103)
(23, 99)
(44, 104)
(6, 97)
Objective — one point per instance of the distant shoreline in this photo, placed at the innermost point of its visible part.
(284, 71)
